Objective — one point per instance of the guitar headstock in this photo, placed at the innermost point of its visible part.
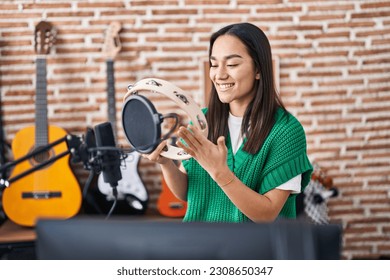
(320, 175)
(112, 44)
(44, 37)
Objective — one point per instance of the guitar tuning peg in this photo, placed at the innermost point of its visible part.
(328, 182)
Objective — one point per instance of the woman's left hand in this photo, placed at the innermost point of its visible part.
(210, 156)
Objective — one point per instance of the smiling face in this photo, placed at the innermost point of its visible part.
(233, 73)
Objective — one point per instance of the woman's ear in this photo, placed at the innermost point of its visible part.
(257, 77)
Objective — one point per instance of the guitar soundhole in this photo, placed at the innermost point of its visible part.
(42, 156)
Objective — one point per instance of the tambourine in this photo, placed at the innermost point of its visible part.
(142, 123)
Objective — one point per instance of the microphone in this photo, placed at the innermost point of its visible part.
(110, 158)
(98, 153)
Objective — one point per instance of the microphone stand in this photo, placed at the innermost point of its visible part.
(5, 183)
(81, 151)
(76, 148)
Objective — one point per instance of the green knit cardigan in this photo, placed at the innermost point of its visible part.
(281, 158)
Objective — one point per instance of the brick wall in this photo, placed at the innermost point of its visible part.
(334, 76)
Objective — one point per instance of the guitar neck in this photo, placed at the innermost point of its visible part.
(41, 122)
(111, 102)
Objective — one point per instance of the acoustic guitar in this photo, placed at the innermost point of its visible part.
(131, 189)
(53, 191)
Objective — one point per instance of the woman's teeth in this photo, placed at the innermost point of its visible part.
(225, 86)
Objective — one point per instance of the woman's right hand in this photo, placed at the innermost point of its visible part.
(174, 177)
(155, 155)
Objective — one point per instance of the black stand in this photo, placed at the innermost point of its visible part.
(72, 143)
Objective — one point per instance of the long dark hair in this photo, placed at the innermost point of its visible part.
(259, 114)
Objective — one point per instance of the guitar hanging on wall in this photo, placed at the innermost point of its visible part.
(130, 188)
(53, 191)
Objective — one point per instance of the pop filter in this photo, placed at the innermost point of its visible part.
(142, 123)
(142, 126)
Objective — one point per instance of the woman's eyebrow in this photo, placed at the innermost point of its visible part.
(227, 57)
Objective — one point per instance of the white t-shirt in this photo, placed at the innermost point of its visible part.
(234, 123)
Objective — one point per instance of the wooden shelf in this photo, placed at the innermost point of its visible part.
(11, 232)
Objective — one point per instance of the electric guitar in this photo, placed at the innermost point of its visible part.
(168, 204)
(316, 195)
(52, 191)
(130, 188)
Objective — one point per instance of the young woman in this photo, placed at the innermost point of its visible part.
(254, 161)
